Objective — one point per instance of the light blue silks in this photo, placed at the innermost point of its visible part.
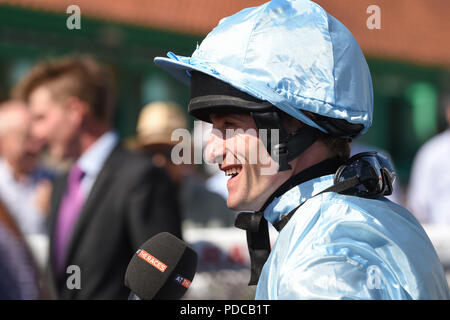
(291, 53)
(345, 247)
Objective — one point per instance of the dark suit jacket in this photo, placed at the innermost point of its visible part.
(130, 201)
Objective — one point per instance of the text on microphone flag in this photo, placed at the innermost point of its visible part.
(147, 257)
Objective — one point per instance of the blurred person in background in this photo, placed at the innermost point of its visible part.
(155, 125)
(24, 187)
(19, 274)
(111, 200)
(428, 194)
(199, 206)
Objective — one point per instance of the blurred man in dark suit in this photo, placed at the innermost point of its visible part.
(111, 200)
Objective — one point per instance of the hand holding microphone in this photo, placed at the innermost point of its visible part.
(161, 269)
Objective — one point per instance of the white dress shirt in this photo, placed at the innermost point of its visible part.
(93, 159)
(429, 186)
(19, 197)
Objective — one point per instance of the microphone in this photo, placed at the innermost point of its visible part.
(161, 269)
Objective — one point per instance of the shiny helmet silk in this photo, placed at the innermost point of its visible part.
(291, 53)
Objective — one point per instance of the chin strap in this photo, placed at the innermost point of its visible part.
(256, 225)
(340, 187)
(289, 146)
(258, 241)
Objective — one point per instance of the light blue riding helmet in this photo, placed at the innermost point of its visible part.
(291, 53)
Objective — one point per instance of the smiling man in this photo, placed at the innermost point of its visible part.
(236, 154)
(286, 86)
(241, 154)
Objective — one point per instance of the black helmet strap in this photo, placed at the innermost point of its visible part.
(256, 225)
(288, 146)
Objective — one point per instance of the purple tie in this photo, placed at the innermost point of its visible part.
(69, 210)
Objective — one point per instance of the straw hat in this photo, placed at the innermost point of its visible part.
(156, 123)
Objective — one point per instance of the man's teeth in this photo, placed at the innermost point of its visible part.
(233, 171)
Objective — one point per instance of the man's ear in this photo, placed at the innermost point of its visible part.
(290, 123)
(78, 109)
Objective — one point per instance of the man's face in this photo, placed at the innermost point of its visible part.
(235, 145)
(52, 123)
(17, 145)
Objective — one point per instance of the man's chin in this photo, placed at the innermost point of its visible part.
(234, 205)
(239, 205)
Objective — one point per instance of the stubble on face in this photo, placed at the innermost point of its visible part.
(243, 156)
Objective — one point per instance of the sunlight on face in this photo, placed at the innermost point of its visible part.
(238, 150)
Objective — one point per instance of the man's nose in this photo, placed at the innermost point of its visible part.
(215, 149)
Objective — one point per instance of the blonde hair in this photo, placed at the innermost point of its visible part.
(82, 77)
